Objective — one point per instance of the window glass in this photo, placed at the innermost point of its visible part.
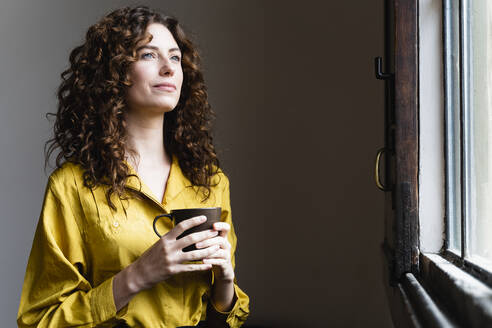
(479, 225)
(453, 113)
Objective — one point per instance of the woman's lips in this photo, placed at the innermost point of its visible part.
(165, 87)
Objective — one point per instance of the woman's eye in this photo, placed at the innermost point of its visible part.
(177, 58)
(147, 53)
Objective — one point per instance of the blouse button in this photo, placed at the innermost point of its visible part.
(116, 224)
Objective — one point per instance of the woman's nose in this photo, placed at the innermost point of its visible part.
(166, 68)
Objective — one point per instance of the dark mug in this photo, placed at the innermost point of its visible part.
(176, 216)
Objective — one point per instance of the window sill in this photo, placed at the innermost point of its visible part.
(413, 307)
(467, 299)
(477, 268)
(442, 295)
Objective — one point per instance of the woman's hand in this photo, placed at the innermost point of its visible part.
(221, 258)
(165, 258)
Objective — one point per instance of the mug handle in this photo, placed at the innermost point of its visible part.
(157, 218)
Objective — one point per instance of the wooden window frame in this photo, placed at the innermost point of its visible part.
(424, 289)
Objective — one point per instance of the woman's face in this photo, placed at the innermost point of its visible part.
(157, 75)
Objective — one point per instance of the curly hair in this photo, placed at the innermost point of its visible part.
(90, 127)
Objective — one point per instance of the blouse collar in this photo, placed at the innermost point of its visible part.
(176, 182)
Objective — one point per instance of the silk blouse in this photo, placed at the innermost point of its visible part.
(80, 243)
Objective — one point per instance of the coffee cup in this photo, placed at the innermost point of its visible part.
(176, 216)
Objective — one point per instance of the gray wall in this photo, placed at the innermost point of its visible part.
(300, 117)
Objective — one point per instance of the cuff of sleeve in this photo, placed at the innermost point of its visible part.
(239, 312)
(102, 303)
(233, 308)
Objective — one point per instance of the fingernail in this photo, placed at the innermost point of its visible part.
(203, 218)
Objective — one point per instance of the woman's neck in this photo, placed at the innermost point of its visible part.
(146, 137)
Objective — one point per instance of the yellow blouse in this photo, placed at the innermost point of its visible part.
(80, 243)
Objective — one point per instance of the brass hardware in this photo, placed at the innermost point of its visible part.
(376, 171)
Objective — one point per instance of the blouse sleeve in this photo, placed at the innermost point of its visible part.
(240, 311)
(55, 292)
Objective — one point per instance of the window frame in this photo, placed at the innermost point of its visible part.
(436, 289)
(465, 143)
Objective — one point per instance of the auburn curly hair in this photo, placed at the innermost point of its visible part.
(90, 127)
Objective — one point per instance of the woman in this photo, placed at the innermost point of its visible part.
(133, 131)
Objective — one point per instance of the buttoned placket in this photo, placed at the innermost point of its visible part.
(162, 206)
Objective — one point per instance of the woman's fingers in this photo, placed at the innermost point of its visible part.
(195, 238)
(223, 242)
(219, 254)
(222, 227)
(199, 254)
(185, 225)
(215, 261)
(194, 267)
